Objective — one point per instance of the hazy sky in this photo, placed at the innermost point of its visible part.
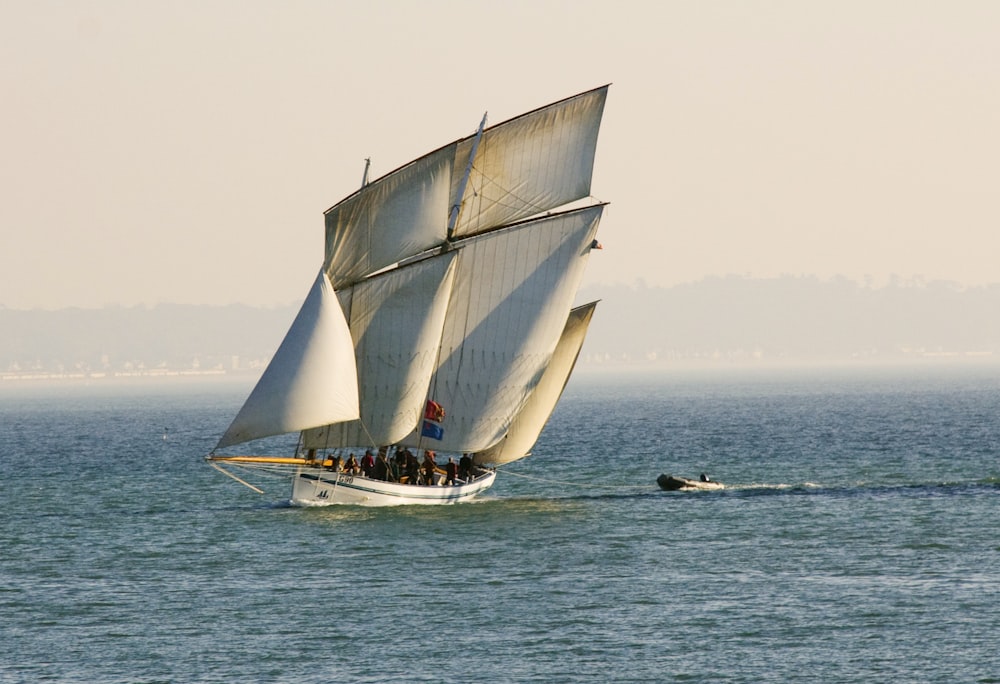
(185, 151)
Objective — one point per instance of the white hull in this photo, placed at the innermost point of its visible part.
(314, 487)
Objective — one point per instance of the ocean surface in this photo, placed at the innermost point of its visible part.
(858, 540)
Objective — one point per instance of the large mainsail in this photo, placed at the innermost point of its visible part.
(312, 379)
(507, 310)
(528, 424)
(522, 167)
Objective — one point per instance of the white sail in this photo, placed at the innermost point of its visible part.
(508, 308)
(526, 428)
(312, 379)
(523, 167)
(395, 321)
(531, 164)
(394, 217)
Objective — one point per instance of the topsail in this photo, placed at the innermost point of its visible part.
(523, 167)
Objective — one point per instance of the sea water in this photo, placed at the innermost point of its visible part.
(858, 540)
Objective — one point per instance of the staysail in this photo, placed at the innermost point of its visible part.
(528, 424)
(312, 379)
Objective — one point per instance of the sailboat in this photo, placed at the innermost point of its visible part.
(441, 320)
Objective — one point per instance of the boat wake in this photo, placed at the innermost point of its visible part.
(863, 489)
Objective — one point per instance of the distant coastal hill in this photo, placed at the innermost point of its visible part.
(731, 319)
(795, 319)
(140, 340)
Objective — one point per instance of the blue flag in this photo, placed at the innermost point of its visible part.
(432, 430)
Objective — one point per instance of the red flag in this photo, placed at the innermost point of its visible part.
(434, 411)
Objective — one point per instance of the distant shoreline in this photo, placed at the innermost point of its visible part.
(12, 379)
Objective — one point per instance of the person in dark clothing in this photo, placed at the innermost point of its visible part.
(412, 469)
(451, 472)
(381, 467)
(429, 467)
(465, 467)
